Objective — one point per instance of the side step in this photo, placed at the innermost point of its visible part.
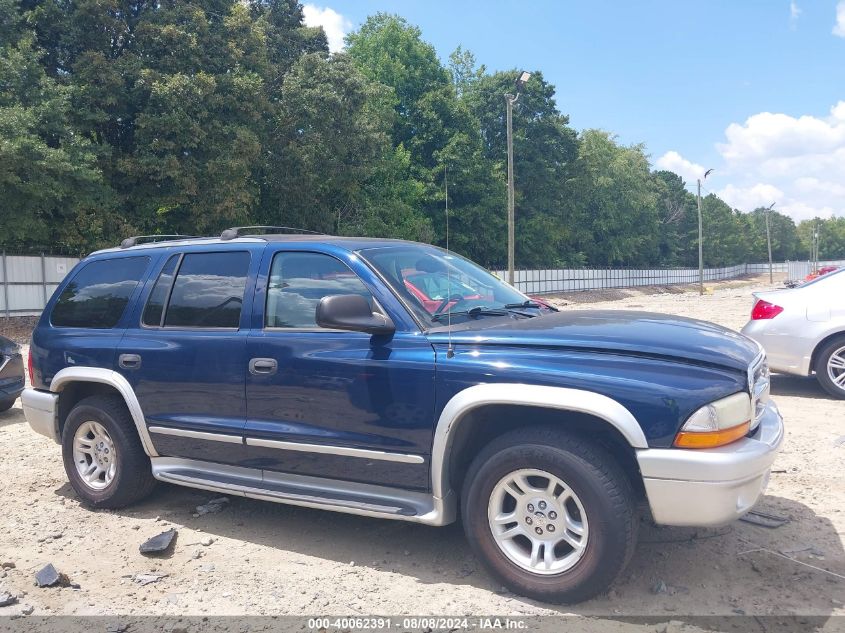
(313, 492)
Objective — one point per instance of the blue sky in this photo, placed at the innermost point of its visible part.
(750, 87)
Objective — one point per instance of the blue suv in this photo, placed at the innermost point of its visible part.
(305, 369)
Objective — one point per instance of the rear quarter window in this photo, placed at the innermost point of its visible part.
(98, 294)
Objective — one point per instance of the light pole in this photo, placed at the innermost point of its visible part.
(769, 240)
(509, 101)
(701, 237)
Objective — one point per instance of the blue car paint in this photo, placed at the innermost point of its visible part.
(383, 393)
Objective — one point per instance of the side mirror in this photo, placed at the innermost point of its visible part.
(352, 312)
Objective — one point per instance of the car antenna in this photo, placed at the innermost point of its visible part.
(450, 351)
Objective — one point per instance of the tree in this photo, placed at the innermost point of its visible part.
(391, 52)
(464, 70)
(677, 239)
(546, 150)
(618, 203)
(330, 138)
(52, 192)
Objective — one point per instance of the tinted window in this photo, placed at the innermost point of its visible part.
(154, 311)
(297, 283)
(97, 296)
(208, 291)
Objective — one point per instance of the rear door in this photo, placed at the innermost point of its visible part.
(185, 356)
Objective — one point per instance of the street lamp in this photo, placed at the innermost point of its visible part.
(510, 99)
(701, 237)
(769, 240)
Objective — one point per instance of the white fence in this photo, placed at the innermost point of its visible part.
(548, 281)
(27, 282)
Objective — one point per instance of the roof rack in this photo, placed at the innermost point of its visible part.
(143, 239)
(237, 231)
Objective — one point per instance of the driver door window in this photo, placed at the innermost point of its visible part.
(297, 283)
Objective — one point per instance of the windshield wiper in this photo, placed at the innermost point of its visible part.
(477, 311)
(528, 303)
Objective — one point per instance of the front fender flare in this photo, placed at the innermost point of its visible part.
(113, 379)
(576, 400)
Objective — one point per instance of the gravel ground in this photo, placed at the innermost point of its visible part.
(261, 558)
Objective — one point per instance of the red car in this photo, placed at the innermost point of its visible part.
(824, 270)
(432, 288)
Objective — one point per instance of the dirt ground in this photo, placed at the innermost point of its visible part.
(256, 557)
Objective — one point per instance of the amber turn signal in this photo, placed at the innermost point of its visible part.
(711, 439)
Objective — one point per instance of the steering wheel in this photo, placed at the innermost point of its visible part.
(458, 299)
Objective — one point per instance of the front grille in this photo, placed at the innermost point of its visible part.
(758, 386)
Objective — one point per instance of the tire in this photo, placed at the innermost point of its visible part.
(6, 404)
(602, 494)
(128, 477)
(831, 354)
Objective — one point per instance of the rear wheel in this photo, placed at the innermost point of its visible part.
(830, 367)
(6, 404)
(102, 454)
(550, 514)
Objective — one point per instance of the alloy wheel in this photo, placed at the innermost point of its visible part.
(538, 521)
(94, 455)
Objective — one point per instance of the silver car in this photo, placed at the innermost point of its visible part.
(803, 330)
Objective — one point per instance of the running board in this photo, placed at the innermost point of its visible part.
(312, 492)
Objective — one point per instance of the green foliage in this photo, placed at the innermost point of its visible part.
(133, 116)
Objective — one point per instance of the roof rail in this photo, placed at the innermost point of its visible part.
(143, 239)
(237, 231)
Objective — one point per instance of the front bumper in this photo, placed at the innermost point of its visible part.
(711, 487)
(41, 411)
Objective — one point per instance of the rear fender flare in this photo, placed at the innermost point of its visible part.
(113, 379)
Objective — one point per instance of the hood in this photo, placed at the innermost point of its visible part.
(614, 331)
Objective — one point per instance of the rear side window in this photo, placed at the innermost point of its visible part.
(97, 295)
(208, 291)
(297, 283)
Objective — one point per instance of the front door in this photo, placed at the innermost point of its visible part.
(329, 403)
(186, 356)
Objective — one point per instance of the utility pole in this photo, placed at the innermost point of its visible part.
(701, 238)
(769, 240)
(509, 101)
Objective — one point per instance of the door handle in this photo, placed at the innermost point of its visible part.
(129, 361)
(263, 366)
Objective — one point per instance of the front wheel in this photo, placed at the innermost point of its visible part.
(830, 368)
(550, 514)
(6, 404)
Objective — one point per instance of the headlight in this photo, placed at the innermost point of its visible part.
(717, 423)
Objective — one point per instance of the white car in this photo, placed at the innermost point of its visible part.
(803, 330)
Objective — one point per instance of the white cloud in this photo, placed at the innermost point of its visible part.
(334, 24)
(673, 161)
(839, 28)
(797, 162)
(794, 13)
(748, 198)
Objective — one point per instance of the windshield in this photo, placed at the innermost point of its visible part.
(436, 283)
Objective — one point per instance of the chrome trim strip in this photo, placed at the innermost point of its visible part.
(109, 377)
(336, 450)
(197, 435)
(431, 510)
